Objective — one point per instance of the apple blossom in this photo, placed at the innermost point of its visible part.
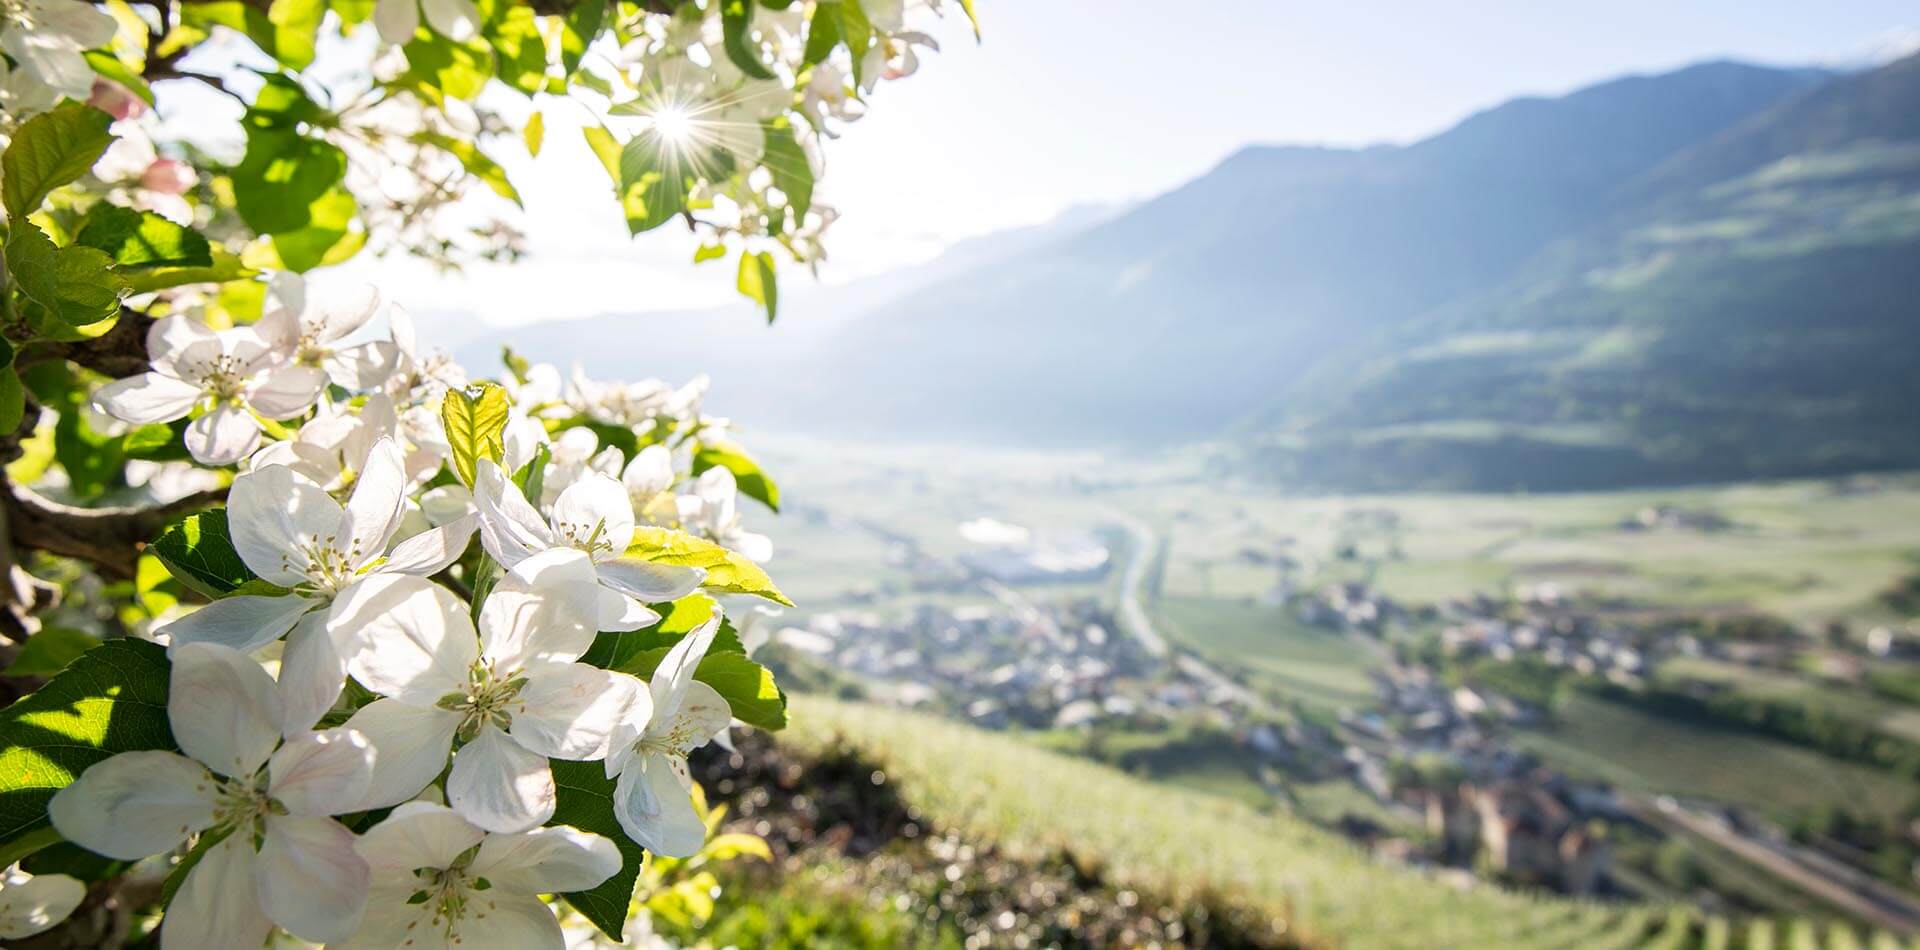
(593, 516)
(228, 375)
(676, 715)
(439, 880)
(47, 40)
(512, 694)
(308, 333)
(713, 510)
(277, 858)
(290, 532)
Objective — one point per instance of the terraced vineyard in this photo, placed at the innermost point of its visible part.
(1183, 845)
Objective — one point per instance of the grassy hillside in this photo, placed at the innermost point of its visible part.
(1179, 843)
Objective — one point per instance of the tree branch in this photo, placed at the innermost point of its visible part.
(108, 538)
(121, 351)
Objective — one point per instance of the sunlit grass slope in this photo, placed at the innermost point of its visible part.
(1177, 843)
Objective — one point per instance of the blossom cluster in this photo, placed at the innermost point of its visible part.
(361, 674)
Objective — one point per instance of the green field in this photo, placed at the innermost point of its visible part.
(1644, 753)
(1287, 659)
(1846, 700)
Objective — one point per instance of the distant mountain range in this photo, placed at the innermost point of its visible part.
(1711, 273)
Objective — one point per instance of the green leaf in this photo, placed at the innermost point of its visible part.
(606, 148)
(709, 252)
(6, 352)
(823, 33)
(727, 572)
(225, 267)
(13, 398)
(757, 281)
(736, 36)
(748, 688)
(535, 133)
(283, 29)
(199, 552)
(584, 799)
(50, 150)
(621, 650)
(283, 172)
(439, 67)
(578, 28)
(476, 423)
(654, 181)
(515, 363)
(475, 162)
(142, 239)
(49, 651)
(112, 699)
(332, 234)
(973, 17)
(753, 481)
(109, 66)
(92, 461)
(788, 164)
(856, 31)
(75, 284)
(519, 52)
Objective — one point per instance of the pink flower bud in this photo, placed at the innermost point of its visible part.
(116, 100)
(168, 176)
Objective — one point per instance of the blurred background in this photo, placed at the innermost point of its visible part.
(1381, 474)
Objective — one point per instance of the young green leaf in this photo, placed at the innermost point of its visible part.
(621, 650)
(727, 572)
(535, 133)
(476, 424)
(756, 281)
(112, 699)
(76, 284)
(49, 651)
(753, 482)
(50, 150)
(787, 162)
(736, 25)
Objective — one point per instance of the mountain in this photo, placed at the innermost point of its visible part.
(1747, 308)
(1206, 303)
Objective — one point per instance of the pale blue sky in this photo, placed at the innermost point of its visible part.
(1073, 101)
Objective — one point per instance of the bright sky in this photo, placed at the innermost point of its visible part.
(1077, 101)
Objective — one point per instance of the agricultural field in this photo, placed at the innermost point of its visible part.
(1291, 661)
(1654, 755)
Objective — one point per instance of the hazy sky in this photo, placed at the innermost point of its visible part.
(1074, 101)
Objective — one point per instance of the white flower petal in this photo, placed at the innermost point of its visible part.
(500, 786)
(410, 747)
(655, 811)
(620, 613)
(147, 398)
(675, 672)
(595, 509)
(311, 880)
(135, 804)
(510, 529)
(431, 551)
(322, 773)
(569, 710)
(224, 709)
(277, 518)
(447, 504)
(547, 606)
(244, 623)
(621, 744)
(217, 905)
(648, 581)
(396, 20)
(650, 472)
(703, 713)
(547, 860)
(30, 906)
(457, 20)
(363, 367)
(312, 673)
(223, 436)
(418, 835)
(170, 338)
(287, 391)
(345, 311)
(373, 510)
(405, 637)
